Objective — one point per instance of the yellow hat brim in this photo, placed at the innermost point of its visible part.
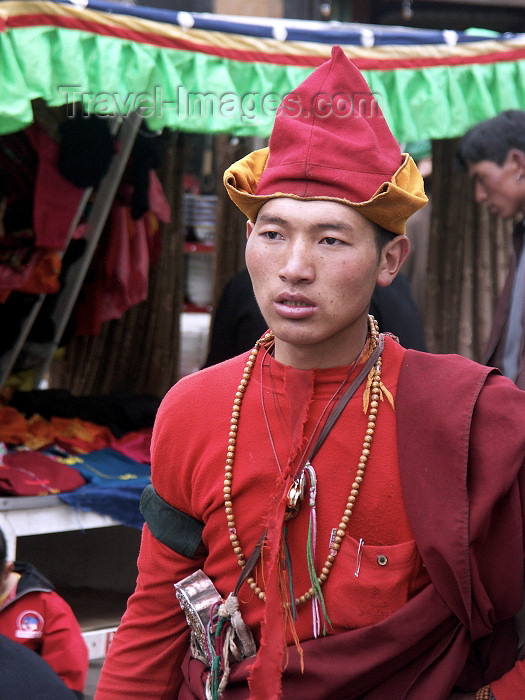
(390, 206)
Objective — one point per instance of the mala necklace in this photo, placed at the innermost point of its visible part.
(371, 400)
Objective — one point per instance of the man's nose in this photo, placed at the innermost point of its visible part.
(480, 194)
(297, 264)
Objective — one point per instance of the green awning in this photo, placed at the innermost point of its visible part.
(210, 74)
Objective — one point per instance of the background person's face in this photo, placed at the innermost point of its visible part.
(498, 187)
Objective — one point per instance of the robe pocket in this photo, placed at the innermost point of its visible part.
(375, 580)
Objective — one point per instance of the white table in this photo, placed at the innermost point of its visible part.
(39, 515)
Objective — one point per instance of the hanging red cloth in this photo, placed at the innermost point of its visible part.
(55, 199)
(119, 275)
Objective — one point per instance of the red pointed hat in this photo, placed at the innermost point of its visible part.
(331, 141)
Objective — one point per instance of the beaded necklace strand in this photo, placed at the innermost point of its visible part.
(374, 398)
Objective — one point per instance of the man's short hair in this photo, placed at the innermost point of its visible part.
(492, 139)
(382, 237)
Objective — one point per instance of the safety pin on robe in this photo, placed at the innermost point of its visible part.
(359, 555)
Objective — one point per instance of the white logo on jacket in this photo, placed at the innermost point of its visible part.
(29, 625)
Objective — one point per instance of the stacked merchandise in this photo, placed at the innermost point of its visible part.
(93, 452)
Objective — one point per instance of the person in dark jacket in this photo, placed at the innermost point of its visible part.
(26, 676)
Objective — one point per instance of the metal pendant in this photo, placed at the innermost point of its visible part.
(295, 497)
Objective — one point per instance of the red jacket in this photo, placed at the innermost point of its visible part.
(41, 620)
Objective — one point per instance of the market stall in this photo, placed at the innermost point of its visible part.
(222, 76)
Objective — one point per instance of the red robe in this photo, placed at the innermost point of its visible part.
(425, 639)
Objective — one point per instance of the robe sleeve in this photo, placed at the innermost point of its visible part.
(145, 655)
(144, 659)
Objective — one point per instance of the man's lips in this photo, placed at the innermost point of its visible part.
(294, 306)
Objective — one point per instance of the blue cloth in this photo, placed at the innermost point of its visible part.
(114, 485)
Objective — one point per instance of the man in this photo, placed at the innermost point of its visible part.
(343, 495)
(493, 152)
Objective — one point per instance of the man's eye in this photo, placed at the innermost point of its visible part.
(272, 235)
(330, 240)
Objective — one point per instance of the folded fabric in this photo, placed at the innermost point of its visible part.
(106, 467)
(31, 270)
(29, 473)
(80, 435)
(135, 445)
(115, 484)
(120, 502)
(13, 425)
(72, 434)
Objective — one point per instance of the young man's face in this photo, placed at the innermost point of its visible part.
(501, 188)
(313, 266)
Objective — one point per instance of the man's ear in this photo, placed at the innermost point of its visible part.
(516, 158)
(249, 229)
(393, 256)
